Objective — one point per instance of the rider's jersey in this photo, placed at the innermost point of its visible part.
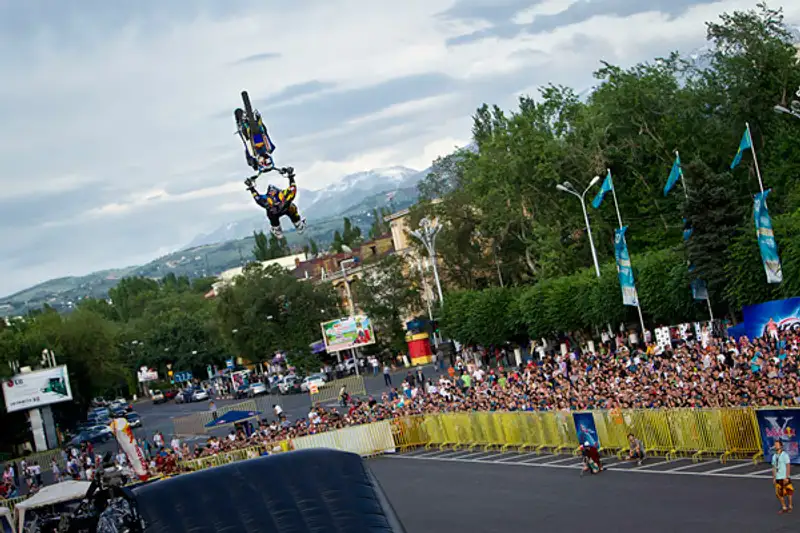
(276, 202)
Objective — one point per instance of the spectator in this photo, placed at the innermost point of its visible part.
(636, 452)
(387, 376)
(781, 470)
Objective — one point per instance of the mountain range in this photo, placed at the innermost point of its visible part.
(354, 196)
(371, 186)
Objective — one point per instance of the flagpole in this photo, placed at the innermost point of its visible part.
(683, 181)
(686, 193)
(755, 158)
(619, 218)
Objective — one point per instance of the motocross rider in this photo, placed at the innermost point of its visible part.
(278, 203)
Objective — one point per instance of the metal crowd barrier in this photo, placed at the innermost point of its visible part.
(672, 433)
(330, 391)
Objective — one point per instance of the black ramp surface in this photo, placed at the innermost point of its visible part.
(451, 497)
(310, 491)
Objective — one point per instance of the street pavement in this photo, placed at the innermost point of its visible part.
(160, 417)
(487, 492)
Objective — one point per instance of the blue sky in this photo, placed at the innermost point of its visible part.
(116, 137)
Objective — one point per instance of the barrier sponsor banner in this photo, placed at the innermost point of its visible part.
(624, 269)
(585, 429)
(766, 239)
(35, 389)
(779, 424)
(346, 333)
(369, 439)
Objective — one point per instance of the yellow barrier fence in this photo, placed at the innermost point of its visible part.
(330, 391)
(195, 424)
(220, 459)
(365, 440)
(693, 433)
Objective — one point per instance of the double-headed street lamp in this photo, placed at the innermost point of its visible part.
(793, 109)
(426, 234)
(567, 187)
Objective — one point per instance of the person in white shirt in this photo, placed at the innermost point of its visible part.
(175, 444)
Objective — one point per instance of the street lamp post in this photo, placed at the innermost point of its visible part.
(350, 302)
(567, 187)
(793, 109)
(426, 234)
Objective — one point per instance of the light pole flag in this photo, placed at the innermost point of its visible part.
(745, 144)
(766, 239)
(674, 175)
(607, 186)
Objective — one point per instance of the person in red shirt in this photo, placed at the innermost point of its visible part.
(591, 459)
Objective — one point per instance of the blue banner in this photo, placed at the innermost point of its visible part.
(785, 314)
(624, 270)
(586, 430)
(766, 239)
(779, 424)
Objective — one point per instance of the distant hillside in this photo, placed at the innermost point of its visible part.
(198, 261)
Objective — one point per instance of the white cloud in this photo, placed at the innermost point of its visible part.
(138, 115)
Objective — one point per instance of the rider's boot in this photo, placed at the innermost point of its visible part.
(300, 225)
(277, 231)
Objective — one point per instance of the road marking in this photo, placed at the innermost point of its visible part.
(530, 463)
(651, 465)
(760, 473)
(561, 460)
(693, 465)
(519, 456)
(725, 468)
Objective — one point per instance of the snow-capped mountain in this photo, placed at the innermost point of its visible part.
(330, 201)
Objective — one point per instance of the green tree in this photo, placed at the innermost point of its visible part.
(268, 248)
(350, 236)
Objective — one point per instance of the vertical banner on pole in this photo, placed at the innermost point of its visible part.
(766, 239)
(624, 270)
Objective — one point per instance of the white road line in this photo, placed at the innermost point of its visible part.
(760, 472)
(561, 461)
(470, 454)
(725, 468)
(693, 465)
(538, 458)
(651, 465)
(519, 456)
(575, 467)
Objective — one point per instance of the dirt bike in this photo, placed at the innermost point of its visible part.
(254, 136)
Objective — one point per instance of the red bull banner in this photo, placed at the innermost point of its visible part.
(127, 441)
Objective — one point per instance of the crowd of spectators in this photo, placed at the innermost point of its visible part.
(690, 373)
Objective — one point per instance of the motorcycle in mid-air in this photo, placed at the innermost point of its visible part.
(258, 145)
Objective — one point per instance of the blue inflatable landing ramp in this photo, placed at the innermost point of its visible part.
(307, 491)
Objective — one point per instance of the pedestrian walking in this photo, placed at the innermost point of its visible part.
(387, 376)
(781, 472)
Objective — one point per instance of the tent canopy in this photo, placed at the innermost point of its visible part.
(65, 491)
(233, 417)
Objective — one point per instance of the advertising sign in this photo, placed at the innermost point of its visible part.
(147, 374)
(782, 425)
(585, 429)
(784, 313)
(624, 270)
(36, 389)
(766, 239)
(345, 333)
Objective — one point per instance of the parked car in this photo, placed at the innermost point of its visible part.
(289, 385)
(314, 379)
(158, 397)
(90, 436)
(99, 402)
(242, 391)
(171, 394)
(118, 412)
(134, 420)
(257, 388)
(199, 395)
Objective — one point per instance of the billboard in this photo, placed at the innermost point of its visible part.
(36, 389)
(785, 314)
(782, 425)
(345, 333)
(147, 374)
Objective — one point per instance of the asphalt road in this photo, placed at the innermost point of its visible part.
(450, 496)
(159, 417)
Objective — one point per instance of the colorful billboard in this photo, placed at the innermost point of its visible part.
(346, 333)
(37, 389)
(781, 315)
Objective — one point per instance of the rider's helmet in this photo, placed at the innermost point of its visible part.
(273, 190)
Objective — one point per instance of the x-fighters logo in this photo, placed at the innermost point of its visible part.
(779, 431)
(788, 324)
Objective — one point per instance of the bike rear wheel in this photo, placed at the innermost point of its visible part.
(252, 124)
